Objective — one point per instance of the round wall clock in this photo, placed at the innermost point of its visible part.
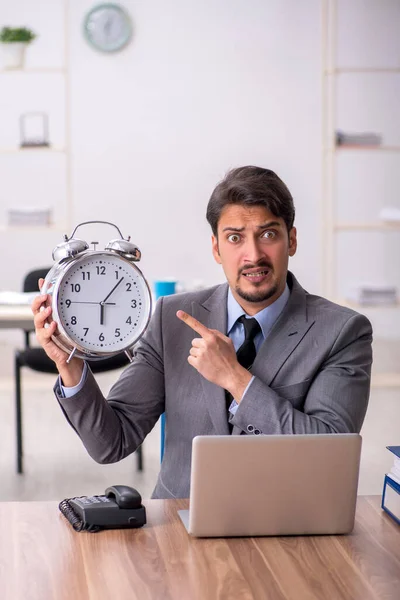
(100, 299)
(108, 27)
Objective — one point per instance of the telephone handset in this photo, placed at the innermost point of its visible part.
(120, 507)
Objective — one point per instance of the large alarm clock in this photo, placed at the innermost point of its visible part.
(100, 299)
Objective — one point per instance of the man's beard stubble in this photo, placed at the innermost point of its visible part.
(257, 296)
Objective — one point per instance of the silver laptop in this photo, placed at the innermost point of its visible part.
(273, 485)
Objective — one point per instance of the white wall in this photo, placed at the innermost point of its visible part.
(203, 87)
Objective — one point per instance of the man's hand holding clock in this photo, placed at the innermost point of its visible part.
(71, 372)
(71, 319)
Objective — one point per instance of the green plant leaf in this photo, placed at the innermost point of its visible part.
(16, 34)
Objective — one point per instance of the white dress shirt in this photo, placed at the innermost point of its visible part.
(266, 319)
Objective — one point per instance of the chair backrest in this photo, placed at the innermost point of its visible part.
(31, 279)
(30, 284)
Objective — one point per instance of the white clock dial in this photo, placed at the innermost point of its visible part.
(103, 303)
(108, 27)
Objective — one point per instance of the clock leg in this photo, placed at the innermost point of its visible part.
(71, 354)
(129, 355)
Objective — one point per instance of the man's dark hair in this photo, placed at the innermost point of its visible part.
(251, 186)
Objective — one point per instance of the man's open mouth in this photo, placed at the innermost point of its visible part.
(255, 274)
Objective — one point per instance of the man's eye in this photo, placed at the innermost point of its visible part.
(269, 234)
(234, 237)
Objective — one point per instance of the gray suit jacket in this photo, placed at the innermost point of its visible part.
(312, 375)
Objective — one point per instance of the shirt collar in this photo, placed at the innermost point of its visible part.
(266, 317)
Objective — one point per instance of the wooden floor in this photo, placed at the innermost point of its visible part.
(57, 465)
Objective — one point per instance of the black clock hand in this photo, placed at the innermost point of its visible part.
(103, 303)
(114, 288)
(82, 302)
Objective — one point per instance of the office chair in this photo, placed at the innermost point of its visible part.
(35, 358)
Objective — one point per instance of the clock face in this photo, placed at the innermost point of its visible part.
(108, 28)
(103, 303)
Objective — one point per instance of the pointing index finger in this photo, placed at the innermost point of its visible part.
(193, 324)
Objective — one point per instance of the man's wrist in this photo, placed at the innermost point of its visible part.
(239, 382)
(71, 373)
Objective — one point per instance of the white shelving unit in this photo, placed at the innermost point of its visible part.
(365, 149)
(366, 226)
(34, 70)
(332, 226)
(335, 71)
(10, 150)
(65, 149)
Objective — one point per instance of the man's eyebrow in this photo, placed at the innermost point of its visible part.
(237, 229)
(270, 224)
(263, 226)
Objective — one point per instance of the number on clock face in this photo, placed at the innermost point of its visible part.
(102, 303)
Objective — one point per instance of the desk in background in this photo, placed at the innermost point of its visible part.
(16, 316)
(43, 558)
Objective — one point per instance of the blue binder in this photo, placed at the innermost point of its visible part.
(395, 450)
(389, 487)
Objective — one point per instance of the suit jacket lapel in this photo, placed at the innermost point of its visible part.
(213, 314)
(290, 328)
(286, 334)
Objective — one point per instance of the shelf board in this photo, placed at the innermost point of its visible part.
(31, 70)
(372, 147)
(361, 307)
(379, 226)
(385, 380)
(15, 150)
(348, 147)
(360, 70)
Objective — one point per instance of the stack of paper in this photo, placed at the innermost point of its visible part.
(373, 294)
(358, 139)
(391, 487)
(17, 298)
(390, 214)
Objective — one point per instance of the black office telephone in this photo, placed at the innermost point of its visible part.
(120, 507)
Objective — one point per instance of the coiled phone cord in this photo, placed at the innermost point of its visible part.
(71, 516)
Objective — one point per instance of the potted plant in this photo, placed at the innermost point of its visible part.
(14, 41)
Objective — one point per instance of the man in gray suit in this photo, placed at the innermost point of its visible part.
(311, 363)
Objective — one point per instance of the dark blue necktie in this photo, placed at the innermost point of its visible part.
(247, 351)
(246, 354)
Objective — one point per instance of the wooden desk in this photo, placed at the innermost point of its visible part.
(43, 558)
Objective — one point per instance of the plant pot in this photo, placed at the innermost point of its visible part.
(13, 54)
